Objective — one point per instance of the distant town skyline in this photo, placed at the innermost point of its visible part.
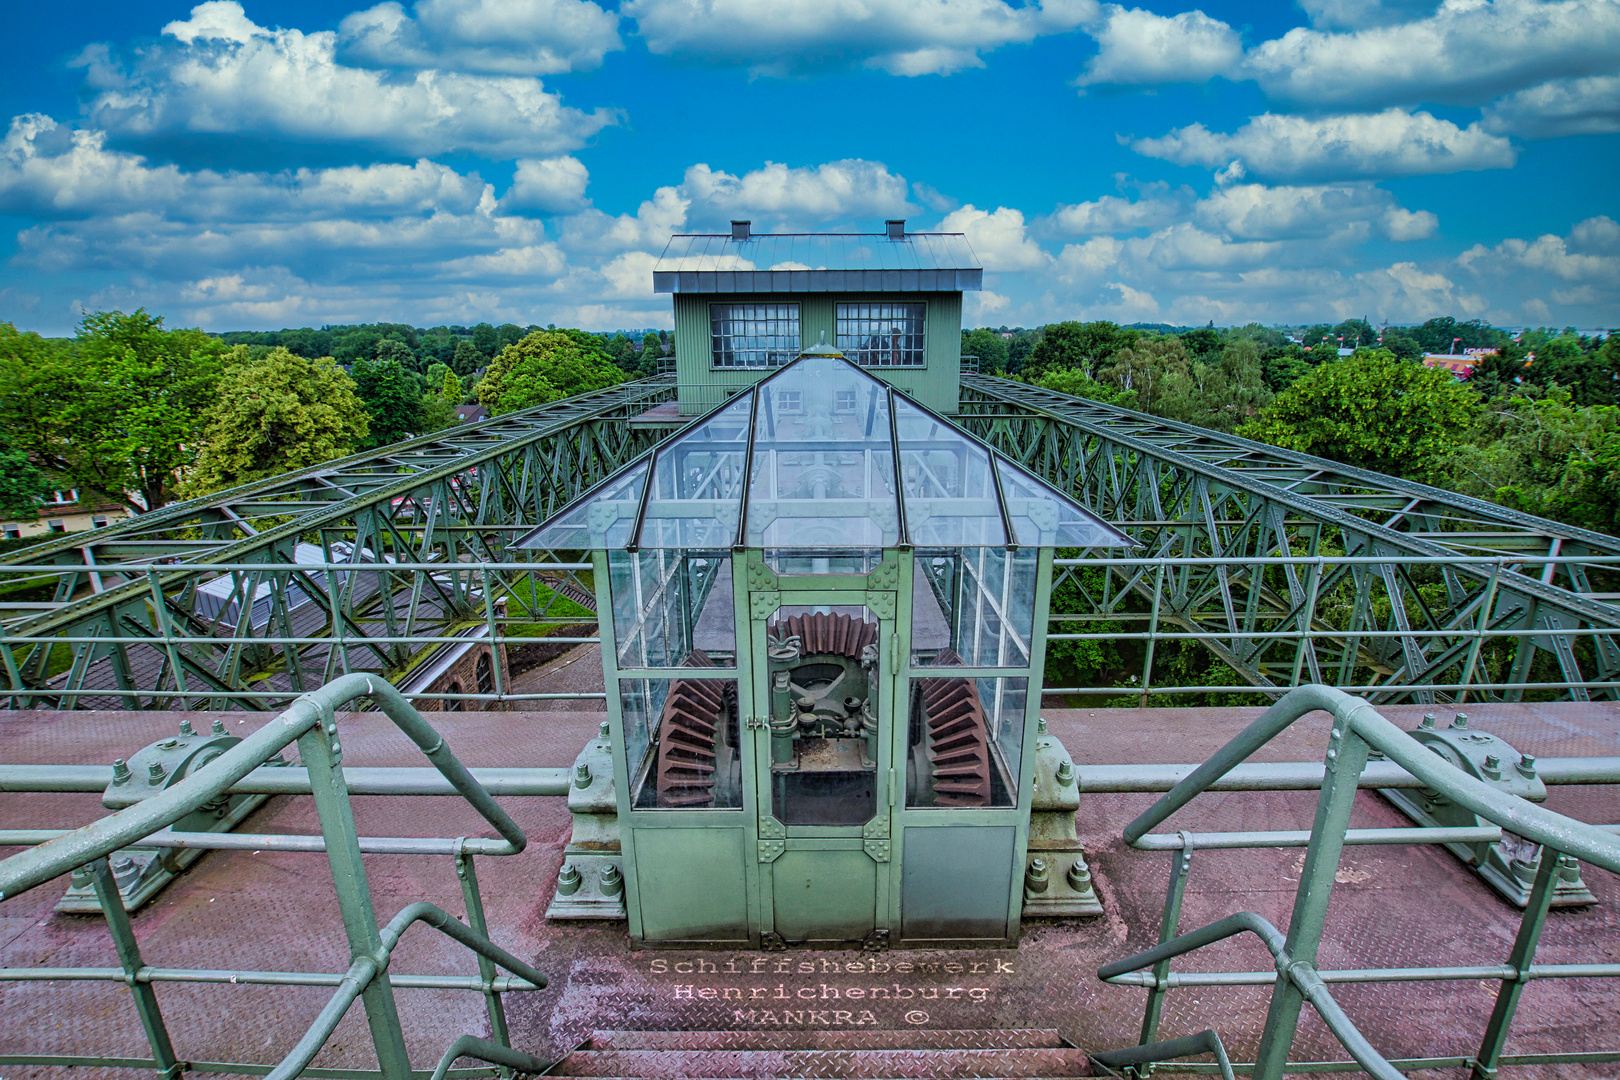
(257, 165)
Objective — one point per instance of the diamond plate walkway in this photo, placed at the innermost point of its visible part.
(859, 1055)
(275, 910)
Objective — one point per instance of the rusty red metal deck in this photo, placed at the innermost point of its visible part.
(1392, 906)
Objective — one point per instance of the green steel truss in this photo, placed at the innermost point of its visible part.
(1294, 569)
(1290, 568)
(114, 619)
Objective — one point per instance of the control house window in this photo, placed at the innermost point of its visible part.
(754, 335)
(882, 335)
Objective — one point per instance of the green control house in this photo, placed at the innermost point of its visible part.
(746, 304)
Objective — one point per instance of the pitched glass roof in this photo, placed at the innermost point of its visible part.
(812, 458)
(818, 262)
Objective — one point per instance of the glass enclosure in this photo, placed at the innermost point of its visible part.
(681, 743)
(973, 607)
(672, 608)
(824, 682)
(965, 742)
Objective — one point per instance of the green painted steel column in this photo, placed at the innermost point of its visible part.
(1346, 757)
(474, 899)
(321, 754)
(1169, 923)
(129, 955)
(1520, 959)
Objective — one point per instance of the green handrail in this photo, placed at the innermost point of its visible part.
(1357, 730)
(310, 721)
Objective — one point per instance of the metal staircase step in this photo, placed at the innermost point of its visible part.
(832, 1064)
(834, 1039)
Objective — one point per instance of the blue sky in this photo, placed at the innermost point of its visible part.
(276, 163)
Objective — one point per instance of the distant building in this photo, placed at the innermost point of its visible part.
(471, 414)
(1459, 364)
(63, 512)
(746, 304)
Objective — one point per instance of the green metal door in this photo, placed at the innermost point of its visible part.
(824, 690)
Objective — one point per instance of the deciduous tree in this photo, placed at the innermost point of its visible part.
(1373, 410)
(276, 413)
(545, 366)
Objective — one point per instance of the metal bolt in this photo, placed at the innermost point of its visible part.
(1493, 767)
(612, 881)
(167, 744)
(120, 771)
(186, 730)
(155, 773)
(1079, 877)
(1036, 878)
(219, 726)
(82, 877)
(1527, 765)
(582, 775)
(602, 733)
(1428, 720)
(1065, 773)
(125, 871)
(568, 880)
(1040, 726)
(1461, 721)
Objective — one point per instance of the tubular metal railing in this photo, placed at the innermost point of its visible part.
(1358, 730)
(310, 722)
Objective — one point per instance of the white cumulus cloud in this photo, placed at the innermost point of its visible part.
(1254, 211)
(903, 37)
(1588, 106)
(1389, 143)
(1138, 47)
(548, 186)
(505, 37)
(1465, 53)
(219, 74)
(999, 238)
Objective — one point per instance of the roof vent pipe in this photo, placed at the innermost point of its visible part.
(897, 229)
(740, 230)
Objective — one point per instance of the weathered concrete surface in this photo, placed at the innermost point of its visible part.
(1391, 906)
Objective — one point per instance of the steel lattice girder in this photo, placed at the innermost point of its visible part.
(449, 498)
(1184, 491)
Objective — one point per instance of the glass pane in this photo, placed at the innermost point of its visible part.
(823, 469)
(950, 494)
(680, 738)
(973, 607)
(882, 335)
(672, 608)
(697, 484)
(754, 335)
(1044, 517)
(967, 741)
(823, 680)
(601, 518)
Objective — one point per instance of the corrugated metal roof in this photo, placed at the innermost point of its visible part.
(818, 262)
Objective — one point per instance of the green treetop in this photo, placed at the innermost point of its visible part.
(277, 413)
(545, 366)
(1375, 411)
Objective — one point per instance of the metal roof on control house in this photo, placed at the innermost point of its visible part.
(818, 262)
(822, 456)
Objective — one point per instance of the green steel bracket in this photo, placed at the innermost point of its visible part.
(877, 828)
(771, 850)
(881, 604)
(1057, 881)
(761, 578)
(140, 872)
(771, 829)
(877, 849)
(590, 882)
(885, 577)
(761, 604)
(1508, 865)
